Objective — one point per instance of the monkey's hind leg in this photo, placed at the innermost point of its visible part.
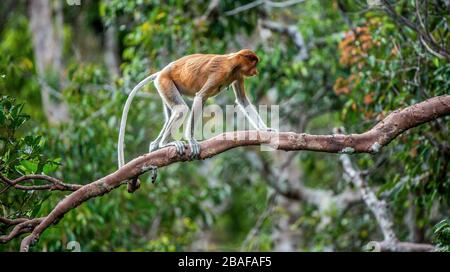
(155, 144)
(176, 119)
(178, 108)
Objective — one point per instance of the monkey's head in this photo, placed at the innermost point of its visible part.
(248, 61)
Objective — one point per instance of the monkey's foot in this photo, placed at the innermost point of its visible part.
(153, 173)
(153, 146)
(195, 148)
(179, 146)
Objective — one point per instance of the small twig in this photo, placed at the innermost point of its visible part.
(424, 36)
(293, 32)
(55, 184)
(12, 222)
(25, 226)
(256, 229)
(283, 4)
(267, 3)
(244, 7)
(277, 178)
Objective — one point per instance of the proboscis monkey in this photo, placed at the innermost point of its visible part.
(200, 76)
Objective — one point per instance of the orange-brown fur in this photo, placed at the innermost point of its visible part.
(200, 76)
(191, 73)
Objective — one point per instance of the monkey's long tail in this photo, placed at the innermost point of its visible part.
(123, 122)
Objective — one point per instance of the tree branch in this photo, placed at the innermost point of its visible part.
(369, 142)
(262, 2)
(323, 199)
(293, 32)
(12, 222)
(399, 247)
(55, 184)
(381, 212)
(22, 225)
(424, 35)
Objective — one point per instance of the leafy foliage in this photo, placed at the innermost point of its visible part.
(360, 65)
(21, 155)
(442, 235)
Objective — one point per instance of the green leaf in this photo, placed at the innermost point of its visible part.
(2, 118)
(50, 167)
(441, 226)
(30, 166)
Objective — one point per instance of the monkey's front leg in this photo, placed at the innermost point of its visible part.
(196, 113)
(247, 108)
(252, 115)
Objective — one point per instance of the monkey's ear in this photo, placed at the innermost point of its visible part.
(249, 55)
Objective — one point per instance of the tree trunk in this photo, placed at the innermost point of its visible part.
(112, 51)
(285, 238)
(47, 45)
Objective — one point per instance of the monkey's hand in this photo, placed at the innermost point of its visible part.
(195, 148)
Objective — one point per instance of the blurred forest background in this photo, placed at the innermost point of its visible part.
(66, 68)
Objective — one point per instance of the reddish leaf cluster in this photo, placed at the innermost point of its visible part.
(355, 46)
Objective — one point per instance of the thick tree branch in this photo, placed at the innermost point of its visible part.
(369, 142)
(384, 246)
